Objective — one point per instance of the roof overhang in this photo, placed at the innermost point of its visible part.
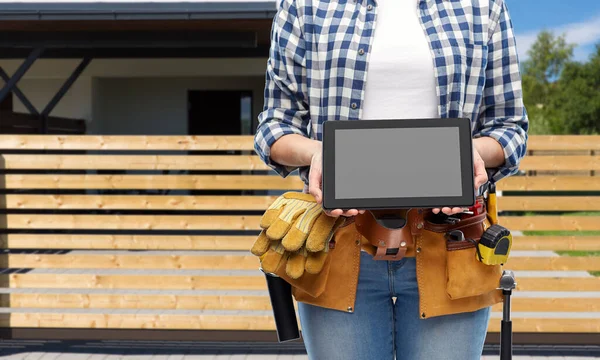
(136, 10)
(136, 28)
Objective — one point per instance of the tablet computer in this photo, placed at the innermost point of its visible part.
(396, 164)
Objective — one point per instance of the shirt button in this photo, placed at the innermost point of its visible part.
(353, 105)
(361, 52)
(369, 7)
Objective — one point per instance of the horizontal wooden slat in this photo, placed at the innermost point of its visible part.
(153, 182)
(122, 242)
(552, 305)
(187, 242)
(187, 202)
(563, 142)
(549, 203)
(557, 263)
(566, 284)
(560, 163)
(241, 322)
(549, 325)
(85, 261)
(183, 282)
(124, 142)
(254, 182)
(244, 142)
(139, 282)
(547, 223)
(132, 222)
(138, 321)
(550, 183)
(241, 262)
(556, 243)
(231, 162)
(136, 301)
(240, 222)
(235, 302)
(133, 162)
(138, 202)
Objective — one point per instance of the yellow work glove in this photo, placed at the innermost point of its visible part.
(296, 230)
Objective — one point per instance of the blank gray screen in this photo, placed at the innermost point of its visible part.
(397, 163)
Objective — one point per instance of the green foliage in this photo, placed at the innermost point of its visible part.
(578, 253)
(561, 96)
(577, 103)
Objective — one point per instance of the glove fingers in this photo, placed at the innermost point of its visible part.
(322, 231)
(261, 245)
(315, 262)
(294, 239)
(271, 259)
(269, 217)
(294, 267)
(282, 224)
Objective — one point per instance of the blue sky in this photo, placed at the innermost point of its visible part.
(579, 19)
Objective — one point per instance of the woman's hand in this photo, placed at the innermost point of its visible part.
(315, 185)
(480, 179)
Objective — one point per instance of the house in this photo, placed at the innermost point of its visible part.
(133, 67)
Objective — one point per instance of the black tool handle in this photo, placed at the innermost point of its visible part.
(506, 329)
(280, 292)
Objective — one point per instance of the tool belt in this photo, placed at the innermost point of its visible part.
(390, 243)
(393, 242)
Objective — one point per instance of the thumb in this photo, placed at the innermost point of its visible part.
(480, 174)
(314, 185)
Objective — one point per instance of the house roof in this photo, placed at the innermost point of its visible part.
(136, 10)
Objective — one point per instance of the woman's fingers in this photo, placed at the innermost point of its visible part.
(340, 212)
(447, 210)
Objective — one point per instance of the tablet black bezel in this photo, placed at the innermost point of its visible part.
(466, 151)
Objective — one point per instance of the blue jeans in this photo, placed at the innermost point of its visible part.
(380, 329)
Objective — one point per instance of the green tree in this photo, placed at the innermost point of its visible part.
(546, 60)
(577, 99)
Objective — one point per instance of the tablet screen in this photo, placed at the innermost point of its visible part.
(405, 163)
(397, 163)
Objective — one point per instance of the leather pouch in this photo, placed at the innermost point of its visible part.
(466, 276)
(332, 290)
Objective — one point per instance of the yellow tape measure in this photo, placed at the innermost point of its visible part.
(494, 245)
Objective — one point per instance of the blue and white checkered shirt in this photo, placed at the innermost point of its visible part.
(318, 60)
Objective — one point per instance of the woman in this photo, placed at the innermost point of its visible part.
(384, 59)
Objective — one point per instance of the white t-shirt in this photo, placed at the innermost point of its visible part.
(400, 81)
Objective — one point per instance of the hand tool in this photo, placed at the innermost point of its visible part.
(284, 313)
(507, 284)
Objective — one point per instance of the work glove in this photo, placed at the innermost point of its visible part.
(295, 230)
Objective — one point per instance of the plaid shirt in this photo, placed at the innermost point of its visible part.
(317, 65)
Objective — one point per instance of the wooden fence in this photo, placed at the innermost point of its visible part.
(153, 232)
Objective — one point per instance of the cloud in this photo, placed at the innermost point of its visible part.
(583, 34)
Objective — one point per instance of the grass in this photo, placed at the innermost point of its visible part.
(560, 233)
(578, 253)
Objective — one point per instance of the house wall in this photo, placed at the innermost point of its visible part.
(157, 106)
(117, 96)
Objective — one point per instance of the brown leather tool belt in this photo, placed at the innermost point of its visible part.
(390, 243)
(393, 243)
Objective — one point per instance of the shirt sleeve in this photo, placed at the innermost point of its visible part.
(285, 105)
(503, 115)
